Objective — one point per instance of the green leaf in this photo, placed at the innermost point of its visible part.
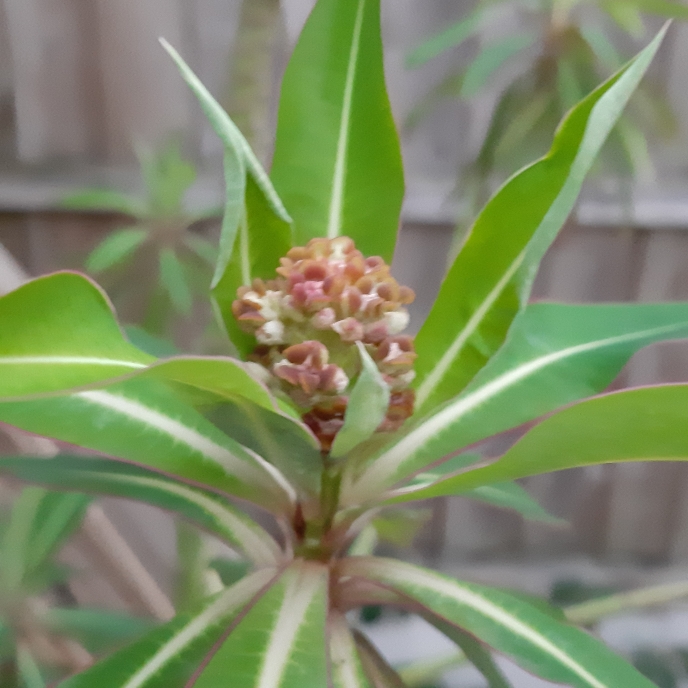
(451, 37)
(380, 674)
(555, 354)
(116, 248)
(645, 424)
(230, 570)
(511, 496)
(285, 442)
(173, 280)
(367, 407)
(58, 332)
(142, 421)
(337, 162)
(204, 249)
(490, 59)
(625, 15)
(491, 278)
(263, 238)
(29, 672)
(40, 522)
(97, 629)
(167, 176)
(168, 656)
(662, 8)
(547, 648)
(347, 669)
(479, 656)
(240, 161)
(104, 200)
(149, 343)
(115, 478)
(280, 642)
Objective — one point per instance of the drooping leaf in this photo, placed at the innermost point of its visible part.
(174, 281)
(347, 669)
(645, 424)
(490, 59)
(98, 630)
(537, 642)
(53, 327)
(141, 421)
(451, 37)
(379, 672)
(115, 478)
(252, 205)
(555, 354)
(104, 200)
(337, 162)
(280, 641)
(478, 655)
(168, 656)
(116, 248)
(366, 409)
(490, 280)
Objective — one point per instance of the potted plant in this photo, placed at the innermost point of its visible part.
(290, 454)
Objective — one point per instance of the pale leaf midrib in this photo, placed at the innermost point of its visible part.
(68, 360)
(437, 374)
(296, 602)
(405, 575)
(390, 462)
(260, 551)
(334, 221)
(229, 601)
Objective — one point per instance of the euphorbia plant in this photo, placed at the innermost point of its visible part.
(314, 429)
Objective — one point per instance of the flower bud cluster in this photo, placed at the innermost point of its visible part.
(326, 297)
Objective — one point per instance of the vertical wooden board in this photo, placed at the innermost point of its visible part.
(50, 60)
(144, 99)
(646, 498)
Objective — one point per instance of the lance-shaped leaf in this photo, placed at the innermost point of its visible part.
(116, 248)
(167, 656)
(366, 408)
(645, 424)
(504, 495)
(59, 331)
(99, 630)
(118, 479)
(555, 354)
(381, 674)
(491, 277)
(141, 421)
(346, 668)
(40, 522)
(537, 642)
(476, 653)
(337, 162)
(280, 641)
(256, 227)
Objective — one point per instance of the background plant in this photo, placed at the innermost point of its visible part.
(159, 250)
(549, 55)
(304, 254)
(43, 635)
